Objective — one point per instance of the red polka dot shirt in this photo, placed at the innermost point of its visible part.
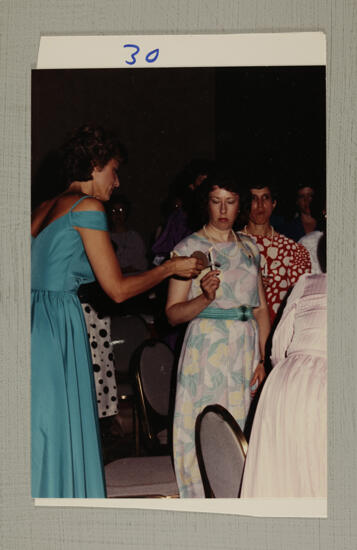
(282, 261)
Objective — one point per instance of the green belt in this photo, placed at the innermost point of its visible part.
(242, 313)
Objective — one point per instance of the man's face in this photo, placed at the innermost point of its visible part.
(262, 206)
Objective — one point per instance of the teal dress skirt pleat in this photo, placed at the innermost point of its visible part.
(66, 456)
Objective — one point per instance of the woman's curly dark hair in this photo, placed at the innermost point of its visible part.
(87, 147)
(218, 178)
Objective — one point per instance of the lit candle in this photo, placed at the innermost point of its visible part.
(210, 257)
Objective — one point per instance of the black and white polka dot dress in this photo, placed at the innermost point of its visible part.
(98, 327)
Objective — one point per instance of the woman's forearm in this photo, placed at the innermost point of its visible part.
(186, 311)
(130, 286)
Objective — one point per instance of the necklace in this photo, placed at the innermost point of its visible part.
(267, 278)
(245, 231)
(220, 251)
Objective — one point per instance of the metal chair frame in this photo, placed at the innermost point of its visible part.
(145, 410)
(127, 378)
(228, 418)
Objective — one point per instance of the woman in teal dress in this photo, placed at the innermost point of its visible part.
(222, 355)
(71, 246)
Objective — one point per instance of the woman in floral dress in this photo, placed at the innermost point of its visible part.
(223, 352)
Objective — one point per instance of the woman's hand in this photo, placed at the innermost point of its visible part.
(209, 284)
(258, 377)
(186, 267)
(180, 309)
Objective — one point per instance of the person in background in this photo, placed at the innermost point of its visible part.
(71, 246)
(287, 453)
(283, 261)
(311, 240)
(130, 250)
(180, 223)
(181, 219)
(223, 352)
(304, 221)
(98, 329)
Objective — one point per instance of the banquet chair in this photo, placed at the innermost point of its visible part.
(221, 449)
(127, 333)
(141, 477)
(152, 365)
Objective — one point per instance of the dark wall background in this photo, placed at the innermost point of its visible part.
(165, 117)
(270, 124)
(267, 123)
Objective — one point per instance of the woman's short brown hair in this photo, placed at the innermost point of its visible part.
(218, 178)
(87, 147)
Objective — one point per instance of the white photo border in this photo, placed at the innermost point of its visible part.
(203, 50)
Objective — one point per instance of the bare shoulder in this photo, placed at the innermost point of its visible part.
(39, 216)
(88, 203)
(42, 209)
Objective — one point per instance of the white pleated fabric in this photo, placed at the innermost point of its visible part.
(287, 454)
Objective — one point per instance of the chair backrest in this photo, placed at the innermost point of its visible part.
(221, 450)
(128, 332)
(155, 370)
(153, 363)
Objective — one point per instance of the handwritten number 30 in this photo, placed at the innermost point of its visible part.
(152, 56)
(149, 58)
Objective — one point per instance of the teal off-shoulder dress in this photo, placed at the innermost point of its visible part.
(66, 458)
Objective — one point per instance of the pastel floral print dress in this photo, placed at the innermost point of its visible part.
(218, 355)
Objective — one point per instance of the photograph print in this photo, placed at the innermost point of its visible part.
(178, 273)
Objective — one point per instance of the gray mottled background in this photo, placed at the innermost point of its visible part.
(26, 527)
